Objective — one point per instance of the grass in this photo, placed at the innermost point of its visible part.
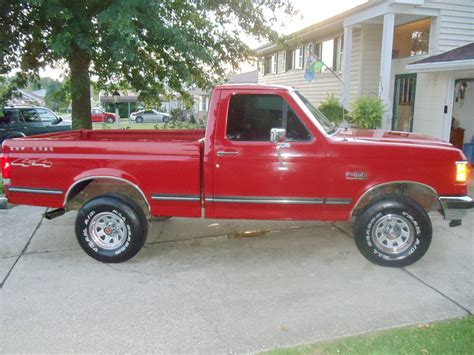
(446, 337)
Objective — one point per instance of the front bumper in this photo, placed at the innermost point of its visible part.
(456, 207)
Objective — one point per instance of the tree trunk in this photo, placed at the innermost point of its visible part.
(80, 89)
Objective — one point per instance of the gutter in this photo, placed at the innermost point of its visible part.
(441, 66)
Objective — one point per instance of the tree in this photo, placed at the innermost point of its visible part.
(150, 46)
(57, 95)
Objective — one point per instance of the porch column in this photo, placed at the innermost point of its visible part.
(346, 69)
(386, 66)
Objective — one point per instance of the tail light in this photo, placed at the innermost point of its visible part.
(462, 171)
(6, 167)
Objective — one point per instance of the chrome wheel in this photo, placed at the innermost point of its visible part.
(393, 234)
(108, 231)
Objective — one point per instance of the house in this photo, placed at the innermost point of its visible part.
(416, 55)
(23, 97)
(128, 102)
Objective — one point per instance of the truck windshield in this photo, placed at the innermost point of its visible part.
(327, 125)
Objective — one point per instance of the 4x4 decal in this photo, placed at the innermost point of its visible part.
(27, 162)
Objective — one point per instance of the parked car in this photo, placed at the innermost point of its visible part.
(99, 115)
(266, 153)
(149, 116)
(21, 121)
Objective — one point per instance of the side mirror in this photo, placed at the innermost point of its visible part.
(58, 120)
(277, 135)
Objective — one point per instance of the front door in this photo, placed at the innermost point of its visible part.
(255, 178)
(404, 102)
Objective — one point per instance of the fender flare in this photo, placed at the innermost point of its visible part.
(104, 177)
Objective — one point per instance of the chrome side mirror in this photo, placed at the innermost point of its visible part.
(277, 135)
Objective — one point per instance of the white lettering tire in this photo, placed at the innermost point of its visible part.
(393, 231)
(111, 228)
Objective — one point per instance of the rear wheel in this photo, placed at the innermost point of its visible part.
(393, 231)
(111, 228)
(139, 119)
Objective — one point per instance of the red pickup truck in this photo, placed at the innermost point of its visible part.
(266, 153)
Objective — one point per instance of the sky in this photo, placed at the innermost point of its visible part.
(311, 11)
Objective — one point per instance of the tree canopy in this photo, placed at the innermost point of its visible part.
(150, 46)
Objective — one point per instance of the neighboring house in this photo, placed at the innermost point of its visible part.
(128, 102)
(201, 97)
(23, 97)
(390, 48)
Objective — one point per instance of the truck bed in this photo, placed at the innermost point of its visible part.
(160, 163)
(121, 135)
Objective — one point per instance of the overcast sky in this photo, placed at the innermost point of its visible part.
(311, 11)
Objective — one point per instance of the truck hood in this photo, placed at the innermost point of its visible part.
(379, 136)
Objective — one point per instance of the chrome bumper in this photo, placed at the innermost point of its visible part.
(3, 203)
(456, 207)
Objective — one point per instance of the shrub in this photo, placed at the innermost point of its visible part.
(367, 112)
(178, 114)
(332, 109)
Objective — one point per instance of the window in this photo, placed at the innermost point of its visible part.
(288, 60)
(30, 115)
(317, 49)
(251, 118)
(46, 115)
(271, 64)
(411, 39)
(203, 102)
(297, 58)
(327, 55)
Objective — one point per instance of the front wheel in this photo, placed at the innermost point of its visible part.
(111, 228)
(110, 120)
(393, 231)
(139, 119)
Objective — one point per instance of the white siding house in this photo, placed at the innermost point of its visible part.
(382, 42)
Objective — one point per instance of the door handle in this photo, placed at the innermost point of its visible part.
(283, 145)
(221, 153)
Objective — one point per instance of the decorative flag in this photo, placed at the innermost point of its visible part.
(313, 65)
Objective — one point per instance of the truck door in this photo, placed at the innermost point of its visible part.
(255, 178)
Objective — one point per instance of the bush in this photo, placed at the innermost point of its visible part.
(178, 114)
(332, 109)
(367, 112)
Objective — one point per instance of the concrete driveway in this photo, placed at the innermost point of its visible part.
(197, 288)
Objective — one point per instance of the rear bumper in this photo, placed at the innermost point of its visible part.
(456, 207)
(3, 203)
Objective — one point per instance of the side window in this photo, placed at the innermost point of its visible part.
(30, 115)
(251, 118)
(45, 115)
(8, 116)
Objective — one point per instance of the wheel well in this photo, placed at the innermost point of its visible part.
(87, 189)
(424, 195)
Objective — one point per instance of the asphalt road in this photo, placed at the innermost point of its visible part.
(197, 288)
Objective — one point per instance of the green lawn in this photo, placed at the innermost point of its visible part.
(447, 337)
